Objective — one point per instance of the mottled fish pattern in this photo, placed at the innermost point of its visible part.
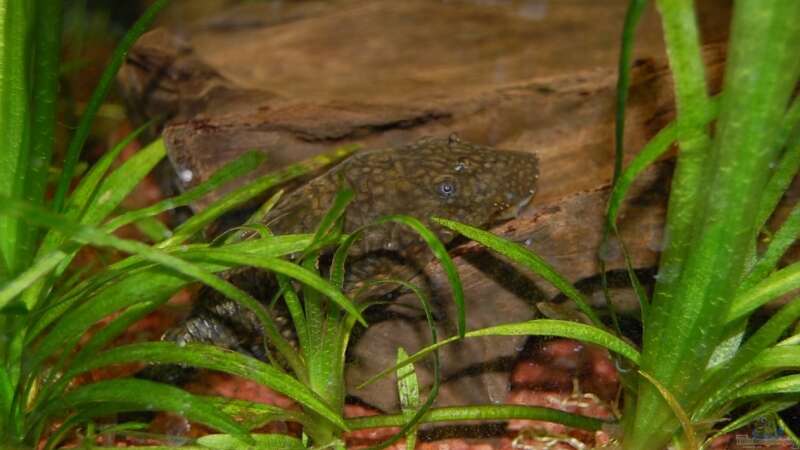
(449, 178)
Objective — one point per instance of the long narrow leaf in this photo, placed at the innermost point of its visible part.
(440, 252)
(158, 397)
(111, 192)
(767, 335)
(265, 441)
(408, 389)
(86, 192)
(632, 16)
(44, 72)
(482, 413)
(786, 235)
(749, 417)
(40, 268)
(17, 29)
(140, 281)
(215, 358)
(294, 271)
(99, 94)
(250, 191)
(680, 413)
(789, 384)
(777, 284)
(788, 165)
(539, 327)
(685, 323)
(97, 237)
(231, 171)
(654, 149)
(524, 256)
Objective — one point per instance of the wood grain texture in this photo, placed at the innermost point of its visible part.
(299, 80)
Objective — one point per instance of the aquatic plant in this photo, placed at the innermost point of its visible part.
(738, 153)
(57, 319)
(697, 363)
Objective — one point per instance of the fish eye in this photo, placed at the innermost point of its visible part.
(446, 189)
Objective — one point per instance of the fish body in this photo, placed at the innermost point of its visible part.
(448, 178)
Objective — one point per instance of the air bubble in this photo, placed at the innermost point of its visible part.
(186, 175)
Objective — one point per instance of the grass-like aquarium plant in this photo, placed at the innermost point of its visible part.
(700, 359)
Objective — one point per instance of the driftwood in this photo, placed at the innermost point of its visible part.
(306, 80)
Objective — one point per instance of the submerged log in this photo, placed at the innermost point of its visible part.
(317, 76)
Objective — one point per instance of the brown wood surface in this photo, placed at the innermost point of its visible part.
(314, 76)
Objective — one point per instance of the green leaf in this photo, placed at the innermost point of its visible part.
(160, 397)
(86, 192)
(562, 328)
(97, 237)
(265, 441)
(632, 16)
(524, 256)
(788, 165)
(121, 182)
(153, 229)
(698, 278)
(749, 417)
(654, 149)
(303, 275)
(295, 308)
(252, 415)
(539, 327)
(789, 384)
(777, 284)
(440, 252)
(682, 40)
(215, 358)
(724, 390)
(110, 290)
(326, 226)
(677, 409)
(39, 269)
(408, 388)
(99, 94)
(323, 335)
(111, 192)
(780, 357)
(231, 171)
(234, 199)
(407, 385)
(767, 335)
(17, 28)
(783, 239)
(46, 44)
(482, 413)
